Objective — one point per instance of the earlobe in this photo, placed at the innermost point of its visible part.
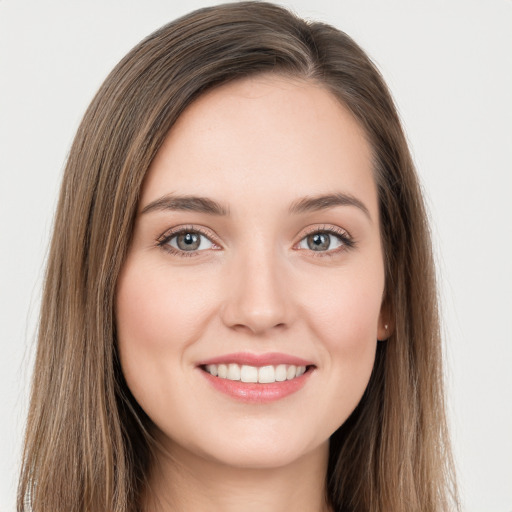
(386, 326)
(383, 333)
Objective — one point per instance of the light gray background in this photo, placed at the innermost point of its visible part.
(449, 65)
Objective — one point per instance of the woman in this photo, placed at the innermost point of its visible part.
(239, 224)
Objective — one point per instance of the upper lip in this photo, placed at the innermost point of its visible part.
(250, 359)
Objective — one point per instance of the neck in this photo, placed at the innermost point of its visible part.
(184, 481)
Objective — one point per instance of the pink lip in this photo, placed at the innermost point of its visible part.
(271, 358)
(255, 392)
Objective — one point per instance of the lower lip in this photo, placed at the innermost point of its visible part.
(255, 392)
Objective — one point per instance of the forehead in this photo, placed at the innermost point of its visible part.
(291, 136)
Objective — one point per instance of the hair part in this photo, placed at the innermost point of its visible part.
(87, 445)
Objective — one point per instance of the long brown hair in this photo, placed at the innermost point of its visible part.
(87, 446)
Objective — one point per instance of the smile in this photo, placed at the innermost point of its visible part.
(257, 378)
(253, 374)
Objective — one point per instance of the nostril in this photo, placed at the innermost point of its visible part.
(259, 327)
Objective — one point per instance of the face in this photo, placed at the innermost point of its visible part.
(249, 306)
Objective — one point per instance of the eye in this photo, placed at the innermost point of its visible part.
(325, 240)
(186, 241)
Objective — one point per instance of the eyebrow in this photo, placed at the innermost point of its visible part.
(323, 202)
(209, 206)
(186, 203)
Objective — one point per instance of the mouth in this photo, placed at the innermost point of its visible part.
(256, 374)
(257, 378)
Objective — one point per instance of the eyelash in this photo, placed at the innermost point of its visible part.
(347, 242)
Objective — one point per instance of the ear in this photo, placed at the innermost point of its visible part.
(386, 325)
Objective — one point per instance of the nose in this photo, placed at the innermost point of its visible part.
(256, 294)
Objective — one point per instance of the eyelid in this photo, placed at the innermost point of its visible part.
(329, 228)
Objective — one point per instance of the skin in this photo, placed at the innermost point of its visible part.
(256, 146)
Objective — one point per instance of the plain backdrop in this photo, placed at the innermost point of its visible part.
(449, 66)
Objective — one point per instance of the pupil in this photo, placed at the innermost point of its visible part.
(318, 241)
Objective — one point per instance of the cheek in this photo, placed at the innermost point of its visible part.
(344, 319)
(157, 318)
(156, 311)
(349, 334)
(345, 314)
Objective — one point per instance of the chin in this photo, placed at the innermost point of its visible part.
(259, 446)
(266, 457)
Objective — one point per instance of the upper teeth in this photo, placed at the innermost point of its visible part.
(262, 374)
